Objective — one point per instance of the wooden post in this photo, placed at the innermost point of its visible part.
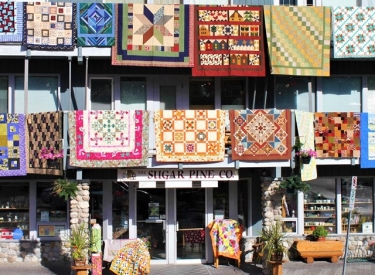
(277, 267)
(81, 270)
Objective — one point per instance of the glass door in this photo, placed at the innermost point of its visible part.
(190, 213)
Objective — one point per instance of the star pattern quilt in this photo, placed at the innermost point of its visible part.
(337, 135)
(12, 145)
(298, 39)
(260, 134)
(154, 35)
(49, 25)
(229, 41)
(190, 135)
(353, 31)
(96, 25)
(11, 22)
(44, 131)
(367, 140)
(108, 138)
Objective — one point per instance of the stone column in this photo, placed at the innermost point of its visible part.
(271, 201)
(79, 206)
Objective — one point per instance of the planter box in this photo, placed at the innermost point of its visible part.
(309, 250)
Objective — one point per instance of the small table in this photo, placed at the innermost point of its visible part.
(277, 267)
(81, 270)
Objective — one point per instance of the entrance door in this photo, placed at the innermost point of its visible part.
(190, 214)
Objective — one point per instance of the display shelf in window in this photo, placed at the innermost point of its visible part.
(319, 212)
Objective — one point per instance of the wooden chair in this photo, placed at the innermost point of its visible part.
(257, 251)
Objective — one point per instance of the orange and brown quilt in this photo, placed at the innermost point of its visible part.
(337, 135)
(260, 134)
(190, 135)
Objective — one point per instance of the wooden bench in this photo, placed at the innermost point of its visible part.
(310, 250)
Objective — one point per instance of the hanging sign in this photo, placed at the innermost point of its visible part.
(352, 193)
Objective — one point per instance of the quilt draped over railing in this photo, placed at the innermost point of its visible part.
(11, 22)
(367, 140)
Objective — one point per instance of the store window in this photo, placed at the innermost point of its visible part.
(292, 93)
(221, 201)
(101, 94)
(133, 93)
(3, 94)
(202, 94)
(14, 209)
(341, 94)
(120, 210)
(362, 216)
(42, 94)
(371, 95)
(233, 94)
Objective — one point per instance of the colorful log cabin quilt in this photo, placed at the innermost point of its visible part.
(260, 134)
(11, 22)
(299, 39)
(44, 132)
(229, 41)
(367, 140)
(154, 35)
(353, 32)
(49, 25)
(12, 145)
(96, 25)
(190, 135)
(108, 138)
(337, 135)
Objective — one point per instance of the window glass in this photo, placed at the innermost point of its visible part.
(120, 210)
(292, 93)
(50, 206)
(221, 201)
(233, 94)
(202, 94)
(14, 209)
(3, 94)
(371, 95)
(133, 93)
(42, 95)
(101, 94)
(341, 94)
(361, 219)
(96, 201)
(167, 97)
(242, 202)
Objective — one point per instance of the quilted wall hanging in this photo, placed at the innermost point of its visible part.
(353, 31)
(337, 135)
(260, 134)
(11, 22)
(44, 142)
(190, 135)
(108, 138)
(229, 41)
(154, 35)
(96, 25)
(367, 140)
(12, 145)
(49, 25)
(298, 39)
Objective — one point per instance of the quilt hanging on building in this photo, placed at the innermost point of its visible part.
(229, 41)
(154, 35)
(12, 145)
(305, 126)
(337, 135)
(298, 39)
(353, 32)
(96, 25)
(190, 135)
(108, 138)
(11, 22)
(367, 140)
(260, 134)
(49, 25)
(44, 143)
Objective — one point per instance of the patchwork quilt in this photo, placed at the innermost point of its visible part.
(49, 25)
(108, 138)
(96, 25)
(12, 145)
(367, 140)
(154, 35)
(190, 135)
(337, 135)
(11, 22)
(260, 134)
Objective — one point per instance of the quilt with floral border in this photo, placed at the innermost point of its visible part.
(49, 25)
(190, 135)
(154, 35)
(337, 134)
(12, 145)
(108, 138)
(229, 41)
(96, 25)
(260, 134)
(353, 32)
(11, 22)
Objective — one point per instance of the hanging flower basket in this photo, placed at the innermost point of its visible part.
(306, 159)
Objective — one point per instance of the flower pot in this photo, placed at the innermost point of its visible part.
(79, 262)
(306, 160)
(277, 256)
(321, 239)
(53, 163)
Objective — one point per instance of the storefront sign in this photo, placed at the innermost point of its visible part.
(177, 174)
(352, 193)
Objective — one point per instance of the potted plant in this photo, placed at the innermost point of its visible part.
(320, 233)
(65, 188)
(79, 240)
(272, 238)
(306, 155)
